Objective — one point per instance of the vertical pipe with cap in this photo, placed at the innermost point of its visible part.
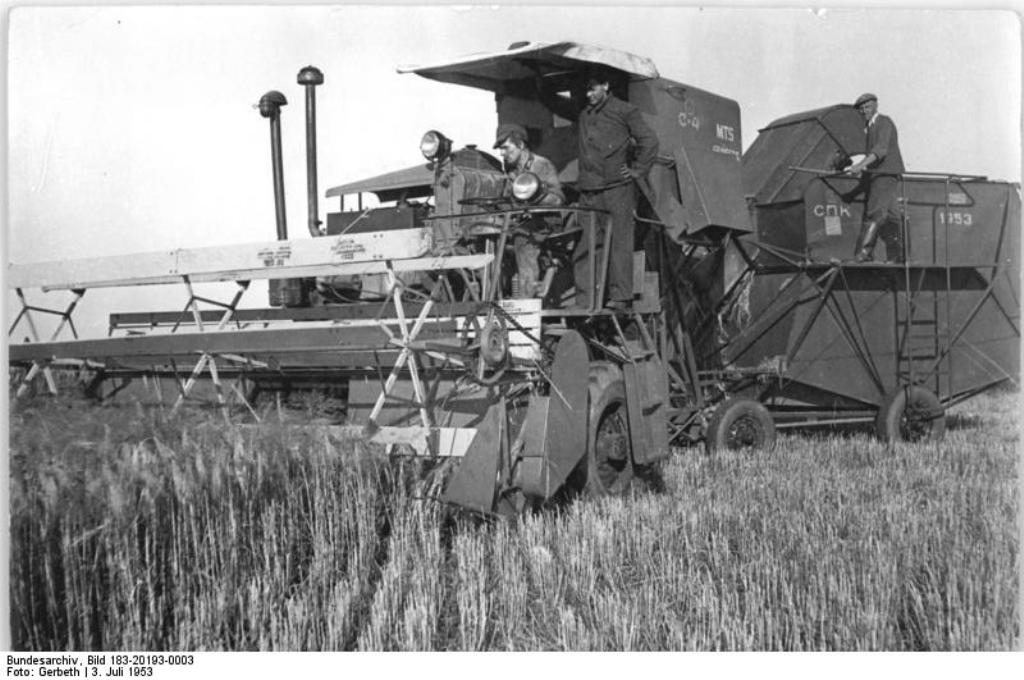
(270, 107)
(310, 77)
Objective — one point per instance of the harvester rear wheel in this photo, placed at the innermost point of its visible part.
(609, 464)
(911, 414)
(739, 424)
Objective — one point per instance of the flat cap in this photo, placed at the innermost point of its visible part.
(505, 130)
(598, 74)
(864, 99)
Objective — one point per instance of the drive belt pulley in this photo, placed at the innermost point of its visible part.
(485, 336)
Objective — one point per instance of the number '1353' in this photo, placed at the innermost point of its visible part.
(956, 217)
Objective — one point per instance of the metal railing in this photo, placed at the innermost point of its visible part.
(499, 224)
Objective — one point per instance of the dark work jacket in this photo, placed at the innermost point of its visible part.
(881, 141)
(605, 134)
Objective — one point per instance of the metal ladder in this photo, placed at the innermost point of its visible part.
(924, 337)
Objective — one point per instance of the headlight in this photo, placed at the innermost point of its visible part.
(434, 145)
(526, 187)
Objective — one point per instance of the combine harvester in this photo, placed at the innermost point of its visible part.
(749, 315)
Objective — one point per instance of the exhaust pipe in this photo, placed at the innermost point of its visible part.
(270, 107)
(310, 77)
(282, 292)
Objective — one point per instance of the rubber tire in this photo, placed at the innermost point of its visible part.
(729, 413)
(890, 425)
(607, 391)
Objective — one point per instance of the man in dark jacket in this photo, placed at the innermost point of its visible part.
(611, 133)
(884, 165)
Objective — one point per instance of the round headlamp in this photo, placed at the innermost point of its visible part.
(526, 187)
(435, 146)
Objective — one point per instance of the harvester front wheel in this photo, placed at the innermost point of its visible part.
(911, 414)
(609, 456)
(739, 424)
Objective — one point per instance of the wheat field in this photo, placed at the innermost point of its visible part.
(133, 529)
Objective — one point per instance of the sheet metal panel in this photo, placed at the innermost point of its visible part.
(700, 132)
(869, 302)
(491, 70)
(269, 260)
(960, 222)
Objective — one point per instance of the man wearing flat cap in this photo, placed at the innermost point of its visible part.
(615, 148)
(512, 143)
(883, 165)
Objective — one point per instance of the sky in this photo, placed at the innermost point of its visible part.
(133, 129)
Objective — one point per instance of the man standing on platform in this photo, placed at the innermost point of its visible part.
(616, 147)
(884, 165)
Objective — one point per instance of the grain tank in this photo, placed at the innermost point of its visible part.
(946, 319)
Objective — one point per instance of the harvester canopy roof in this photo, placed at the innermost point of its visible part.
(414, 182)
(522, 61)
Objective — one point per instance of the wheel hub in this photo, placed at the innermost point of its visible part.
(744, 433)
(915, 421)
(611, 447)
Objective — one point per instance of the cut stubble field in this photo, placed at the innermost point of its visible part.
(132, 529)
